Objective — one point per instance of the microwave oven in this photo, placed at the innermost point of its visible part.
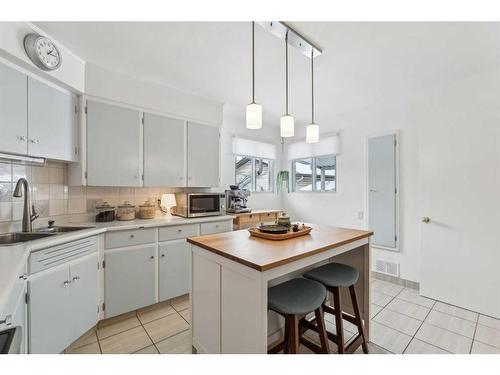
(199, 204)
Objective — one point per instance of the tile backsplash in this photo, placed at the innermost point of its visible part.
(53, 198)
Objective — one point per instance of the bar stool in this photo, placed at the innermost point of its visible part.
(294, 299)
(334, 276)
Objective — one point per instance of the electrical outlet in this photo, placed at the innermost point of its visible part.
(361, 215)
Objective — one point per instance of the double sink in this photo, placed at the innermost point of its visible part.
(20, 237)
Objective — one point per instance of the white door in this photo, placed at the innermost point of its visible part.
(460, 194)
(52, 125)
(113, 145)
(129, 279)
(83, 301)
(203, 161)
(382, 189)
(164, 151)
(50, 321)
(175, 269)
(13, 115)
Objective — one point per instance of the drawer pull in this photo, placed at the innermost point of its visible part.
(163, 255)
(132, 236)
(152, 257)
(24, 276)
(179, 230)
(66, 283)
(76, 278)
(7, 321)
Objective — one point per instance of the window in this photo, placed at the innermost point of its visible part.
(315, 174)
(254, 174)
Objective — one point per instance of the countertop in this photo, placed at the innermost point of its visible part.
(262, 254)
(13, 258)
(255, 212)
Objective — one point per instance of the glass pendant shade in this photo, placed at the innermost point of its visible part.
(254, 116)
(312, 133)
(287, 126)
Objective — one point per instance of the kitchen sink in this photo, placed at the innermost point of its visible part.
(60, 229)
(15, 238)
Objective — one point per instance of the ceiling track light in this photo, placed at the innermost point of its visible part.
(312, 130)
(287, 127)
(254, 110)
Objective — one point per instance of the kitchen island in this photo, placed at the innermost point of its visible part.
(231, 273)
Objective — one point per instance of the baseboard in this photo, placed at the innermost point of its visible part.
(396, 280)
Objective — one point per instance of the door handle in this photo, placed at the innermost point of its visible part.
(426, 220)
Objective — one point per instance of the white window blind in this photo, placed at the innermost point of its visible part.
(248, 147)
(326, 146)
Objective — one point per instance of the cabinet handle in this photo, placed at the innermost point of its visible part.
(152, 257)
(76, 278)
(66, 283)
(7, 321)
(163, 255)
(132, 236)
(217, 225)
(21, 138)
(34, 140)
(179, 230)
(24, 276)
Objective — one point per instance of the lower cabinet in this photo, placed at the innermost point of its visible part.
(129, 279)
(62, 304)
(174, 269)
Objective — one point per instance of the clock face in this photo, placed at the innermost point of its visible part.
(47, 53)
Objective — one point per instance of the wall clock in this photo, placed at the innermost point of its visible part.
(42, 51)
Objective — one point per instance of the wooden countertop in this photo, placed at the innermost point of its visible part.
(262, 254)
(254, 212)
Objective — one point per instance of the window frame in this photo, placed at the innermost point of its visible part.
(254, 180)
(313, 176)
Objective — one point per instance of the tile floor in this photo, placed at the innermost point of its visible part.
(401, 322)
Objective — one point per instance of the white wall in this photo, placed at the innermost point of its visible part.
(112, 85)
(405, 114)
(234, 124)
(71, 73)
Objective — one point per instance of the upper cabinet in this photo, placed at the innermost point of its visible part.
(13, 113)
(203, 156)
(164, 151)
(113, 145)
(52, 122)
(36, 119)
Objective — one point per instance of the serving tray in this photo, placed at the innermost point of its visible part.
(279, 237)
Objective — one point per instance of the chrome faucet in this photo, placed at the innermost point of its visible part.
(29, 213)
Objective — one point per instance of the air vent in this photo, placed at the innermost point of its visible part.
(386, 267)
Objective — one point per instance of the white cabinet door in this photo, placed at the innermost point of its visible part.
(203, 161)
(50, 321)
(52, 125)
(129, 279)
(13, 116)
(83, 302)
(164, 151)
(113, 145)
(175, 269)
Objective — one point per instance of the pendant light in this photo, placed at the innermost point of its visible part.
(286, 121)
(312, 130)
(254, 110)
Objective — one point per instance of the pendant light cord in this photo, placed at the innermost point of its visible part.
(312, 86)
(253, 62)
(286, 74)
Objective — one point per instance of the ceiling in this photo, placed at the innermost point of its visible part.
(362, 63)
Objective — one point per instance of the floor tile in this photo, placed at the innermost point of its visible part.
(451, 323)
(388, 338)
(379, 298)
(489, 322)
(407, 308)
(397, 321)
(165, 327)
(444, 339)
(157, 311)
(186, 314)
(456, 311)
(148, 350)
(372, 349)
(117, 327)
(411, 295)
(86, 349)
(87, 338)
(126, 342)
(487, 335)
(420, 347)
(180, 303)
(386, 288)
(348, 326)
(177, 344)
(480, 348)
(374, 310)
(115, 319)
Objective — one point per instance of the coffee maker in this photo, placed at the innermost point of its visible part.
(236, 200)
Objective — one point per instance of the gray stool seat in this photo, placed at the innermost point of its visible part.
(334, 275)
(296, 297)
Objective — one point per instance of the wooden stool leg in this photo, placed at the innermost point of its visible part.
(294, 334)
(357, 315)
(338, 319)
(286, 348)
(320, 321)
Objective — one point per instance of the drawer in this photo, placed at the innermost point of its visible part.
(268, 217)
(216, 227)
(175, 232)
(130, 238)
(252, 218)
